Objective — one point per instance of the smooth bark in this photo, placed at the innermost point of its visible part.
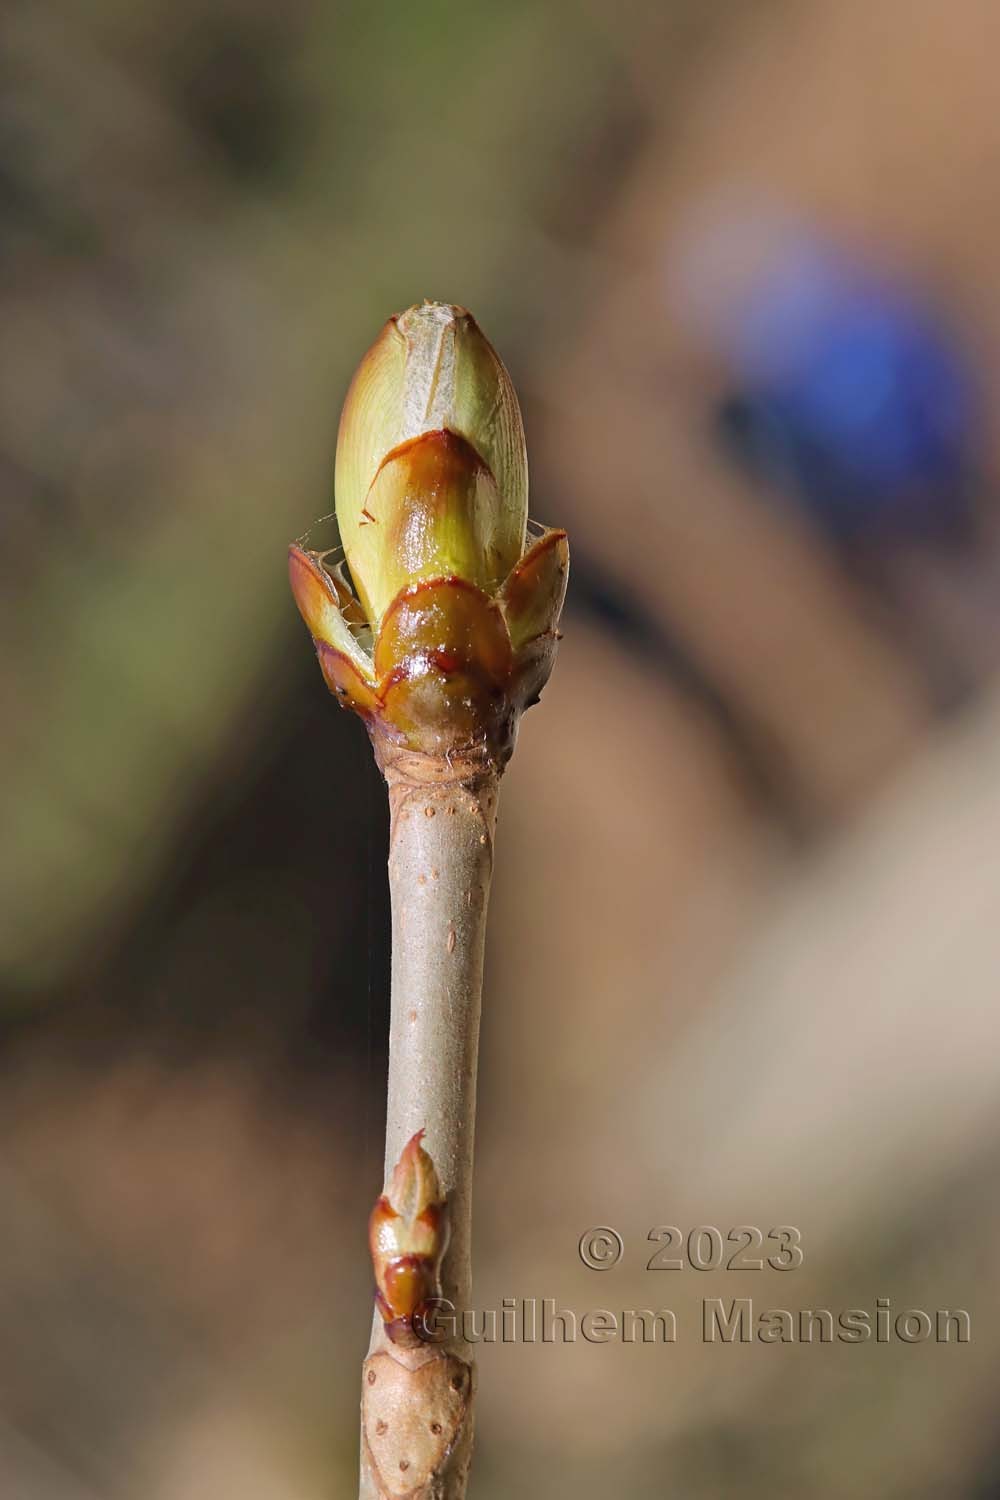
(417, 1404)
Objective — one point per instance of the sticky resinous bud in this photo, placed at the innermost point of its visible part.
(449, 630)
(408, 1236)
(432, 474)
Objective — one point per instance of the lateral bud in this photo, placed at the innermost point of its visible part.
(407, 1237)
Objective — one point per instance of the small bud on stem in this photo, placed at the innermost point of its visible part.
(407, 1236)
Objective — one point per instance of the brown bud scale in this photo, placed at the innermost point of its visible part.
(407, 1237)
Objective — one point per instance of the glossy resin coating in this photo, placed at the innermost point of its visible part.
(452, 667)
(442, 627)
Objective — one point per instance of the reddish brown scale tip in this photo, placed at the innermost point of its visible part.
(427, 451)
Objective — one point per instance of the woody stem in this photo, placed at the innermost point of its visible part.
(442, 823)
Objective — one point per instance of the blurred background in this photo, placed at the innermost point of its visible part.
(742, 261)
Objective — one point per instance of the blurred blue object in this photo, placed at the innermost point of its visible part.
(849, 395)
